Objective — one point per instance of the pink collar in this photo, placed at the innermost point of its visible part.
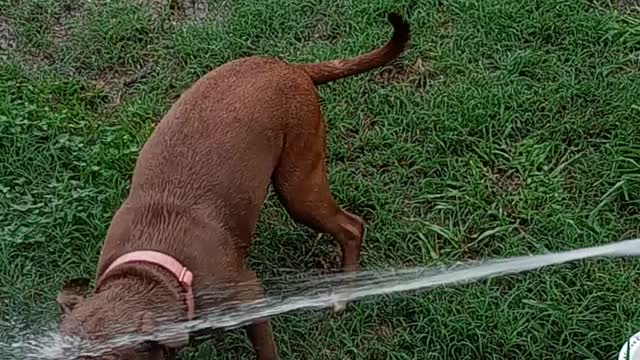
(182, 274)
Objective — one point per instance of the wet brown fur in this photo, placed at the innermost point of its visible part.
(199, 183)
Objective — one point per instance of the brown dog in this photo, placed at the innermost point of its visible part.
(197, 187)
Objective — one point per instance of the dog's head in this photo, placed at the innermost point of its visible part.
(120, 311)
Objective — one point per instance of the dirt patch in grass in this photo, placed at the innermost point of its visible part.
(156, 6)
(506, 180)
(8, 39)
(416, 73)
(62, 25)
(328, 256)
(193, 10)
(197, 10)
(116, 82)
(189, 10)
(384, 332)
(41, 37)
(369, 122)
(321, 31)
(628, 5)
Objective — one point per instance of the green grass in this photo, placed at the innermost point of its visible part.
(509, 127)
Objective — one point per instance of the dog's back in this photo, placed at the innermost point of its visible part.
(215, 151)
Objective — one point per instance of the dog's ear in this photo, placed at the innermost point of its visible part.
(73, 293)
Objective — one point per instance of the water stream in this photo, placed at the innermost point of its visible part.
(315, 292)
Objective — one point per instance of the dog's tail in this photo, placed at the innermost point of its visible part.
(327, 71)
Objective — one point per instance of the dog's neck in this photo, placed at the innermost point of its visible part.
(147, 280)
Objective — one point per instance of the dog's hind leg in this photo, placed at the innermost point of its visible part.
(301, 184)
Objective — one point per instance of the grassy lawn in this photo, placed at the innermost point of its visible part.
(510, 127)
